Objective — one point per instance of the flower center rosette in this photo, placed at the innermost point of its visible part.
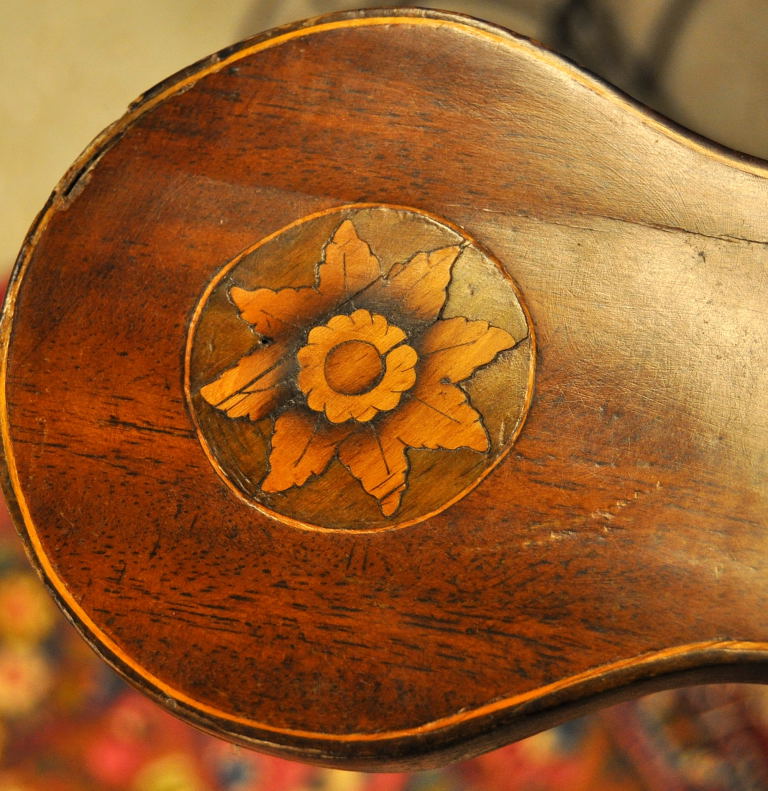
(362, 367)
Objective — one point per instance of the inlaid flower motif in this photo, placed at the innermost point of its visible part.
(355, 366)
(360, 366)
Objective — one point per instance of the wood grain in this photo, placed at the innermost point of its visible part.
(620, 545)
(450, 386)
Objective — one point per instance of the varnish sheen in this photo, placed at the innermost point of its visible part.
(384, 388)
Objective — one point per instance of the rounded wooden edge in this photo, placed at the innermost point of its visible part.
(213, 284)
(447, 739)
(468, 734)
(456, 736)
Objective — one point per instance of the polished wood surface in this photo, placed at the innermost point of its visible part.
(608, 536)
(355, 366)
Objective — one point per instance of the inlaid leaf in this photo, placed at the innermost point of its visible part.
(453, 349)
(277, 313)
(437, 416)
(379, 463)
(253, 387)
(348, 265)
(302, 445)
(417, 287)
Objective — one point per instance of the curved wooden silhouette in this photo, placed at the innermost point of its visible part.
(619, 545)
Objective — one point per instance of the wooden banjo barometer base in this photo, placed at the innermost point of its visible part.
(271, 426)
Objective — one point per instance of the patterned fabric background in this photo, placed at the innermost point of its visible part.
(68, 723)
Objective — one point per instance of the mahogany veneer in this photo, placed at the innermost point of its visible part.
(384, 388)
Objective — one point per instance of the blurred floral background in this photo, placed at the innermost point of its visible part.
(67, 723)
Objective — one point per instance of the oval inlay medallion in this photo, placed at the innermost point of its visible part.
(362, 368)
